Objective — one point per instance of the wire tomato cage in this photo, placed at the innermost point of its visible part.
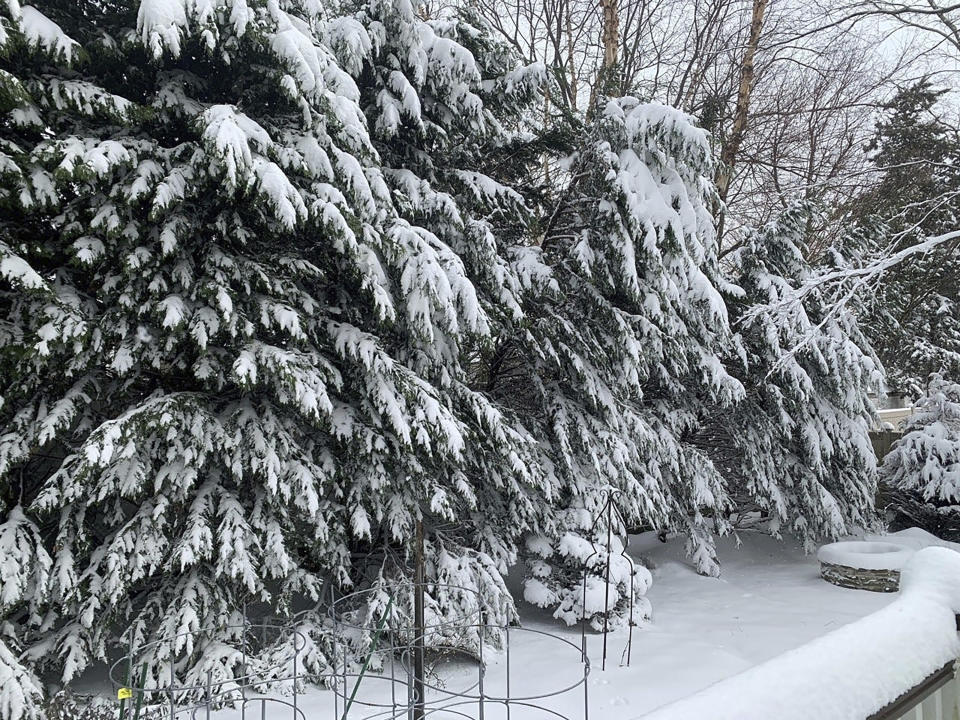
(374, 672)
(465, 642)
(609, 521)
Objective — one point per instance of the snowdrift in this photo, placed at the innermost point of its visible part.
(855, 670)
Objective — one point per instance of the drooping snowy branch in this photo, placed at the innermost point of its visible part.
(840, 287)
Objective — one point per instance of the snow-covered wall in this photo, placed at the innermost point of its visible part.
(855, 670)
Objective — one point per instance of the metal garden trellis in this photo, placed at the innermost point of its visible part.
(607, 514)
(411, 697)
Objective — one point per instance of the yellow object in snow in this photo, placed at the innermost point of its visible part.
(124, 694)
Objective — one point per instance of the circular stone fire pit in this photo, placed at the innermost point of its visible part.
(860, 565)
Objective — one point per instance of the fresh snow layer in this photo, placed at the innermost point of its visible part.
(865, 555)
(855, 670)
(915, 538)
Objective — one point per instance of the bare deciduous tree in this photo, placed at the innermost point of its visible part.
(788, 96)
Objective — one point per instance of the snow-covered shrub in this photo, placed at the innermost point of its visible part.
(797, 447)
(920, 475)
(570, 576)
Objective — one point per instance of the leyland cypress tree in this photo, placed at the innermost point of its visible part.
(913, 313)
(624, 351)
(447, 105)
(797, 446)
(230, 351)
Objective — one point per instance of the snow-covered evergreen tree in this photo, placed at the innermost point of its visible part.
(912, 316)
(235, 346)
(445, 102)
(797, 447)
(623, 346)
(921, 473)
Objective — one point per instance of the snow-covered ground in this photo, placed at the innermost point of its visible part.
(770, 599)
(857, 669)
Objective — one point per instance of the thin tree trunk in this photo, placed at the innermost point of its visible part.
(546, 124)
(611, 32)
(731, 147)
(420, 580)
(571, 67)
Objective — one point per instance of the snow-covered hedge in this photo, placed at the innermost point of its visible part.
(855, 670)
